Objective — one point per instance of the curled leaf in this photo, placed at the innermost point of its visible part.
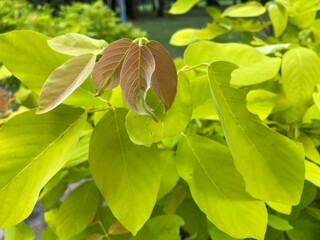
(164, 78)
(135, 75)
(64, 80)
(106, 72)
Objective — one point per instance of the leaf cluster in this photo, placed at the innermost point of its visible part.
(232, 154)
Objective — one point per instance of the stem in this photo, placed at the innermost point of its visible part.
(264, 28)
(141, 41)
(188, 68)
(106, 235)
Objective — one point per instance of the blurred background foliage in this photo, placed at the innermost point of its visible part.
(95, 20)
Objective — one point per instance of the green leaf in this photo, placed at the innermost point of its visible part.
(278, 16)
(76, 44)
(182, 6)
(106, 72)
(143, 130)
(254, 67)
(170, 175)
(165, 227)
(304, 229)
(257, 72)
(135, 78)
(36, 63)
(216, 233)
(78, 210)
(249, 9)
(196, 222)
(300, 74)
(203, 105)
(279, 223)
(34, 149)
(127, 175)
(164, 78)
(218, 189)
(271, 164)
(4, 72)
(186, 36)
(261, 102)
(279, 207)
(19, 232)
(64, 80)
(312, 173)
(310, 149)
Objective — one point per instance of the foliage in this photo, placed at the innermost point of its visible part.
(234, 156)
(95, 20)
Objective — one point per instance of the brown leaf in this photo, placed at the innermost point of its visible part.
(106, 72)
(164, 78)
(135, 78)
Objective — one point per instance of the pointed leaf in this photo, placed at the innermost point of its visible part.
(279, 223)
(135, 78)
(127, 175)
(78, 210)
(33, 149)
(271, 164)
(278, 16)
(164, 227)
(76, 44)
(218, 189)
(249, 9)
(36, 63)
(106, 72)
(182, 6)
(64, 80)
(143, 130)
(164, 78)
(279, 207)
(261, 102)
(300, 74)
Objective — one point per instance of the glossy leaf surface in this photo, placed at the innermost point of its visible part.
(143, 130)
(300, 74)
(164, 78)
(34, 148)
(76, 44)
(271, 173)
(64, 80)
(78, 210)
(136, 72)
(106, 72)
(218, 188)
(127, 175)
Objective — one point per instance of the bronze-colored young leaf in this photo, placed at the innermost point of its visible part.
(106, 72)
(164, 78)
(135, 78)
